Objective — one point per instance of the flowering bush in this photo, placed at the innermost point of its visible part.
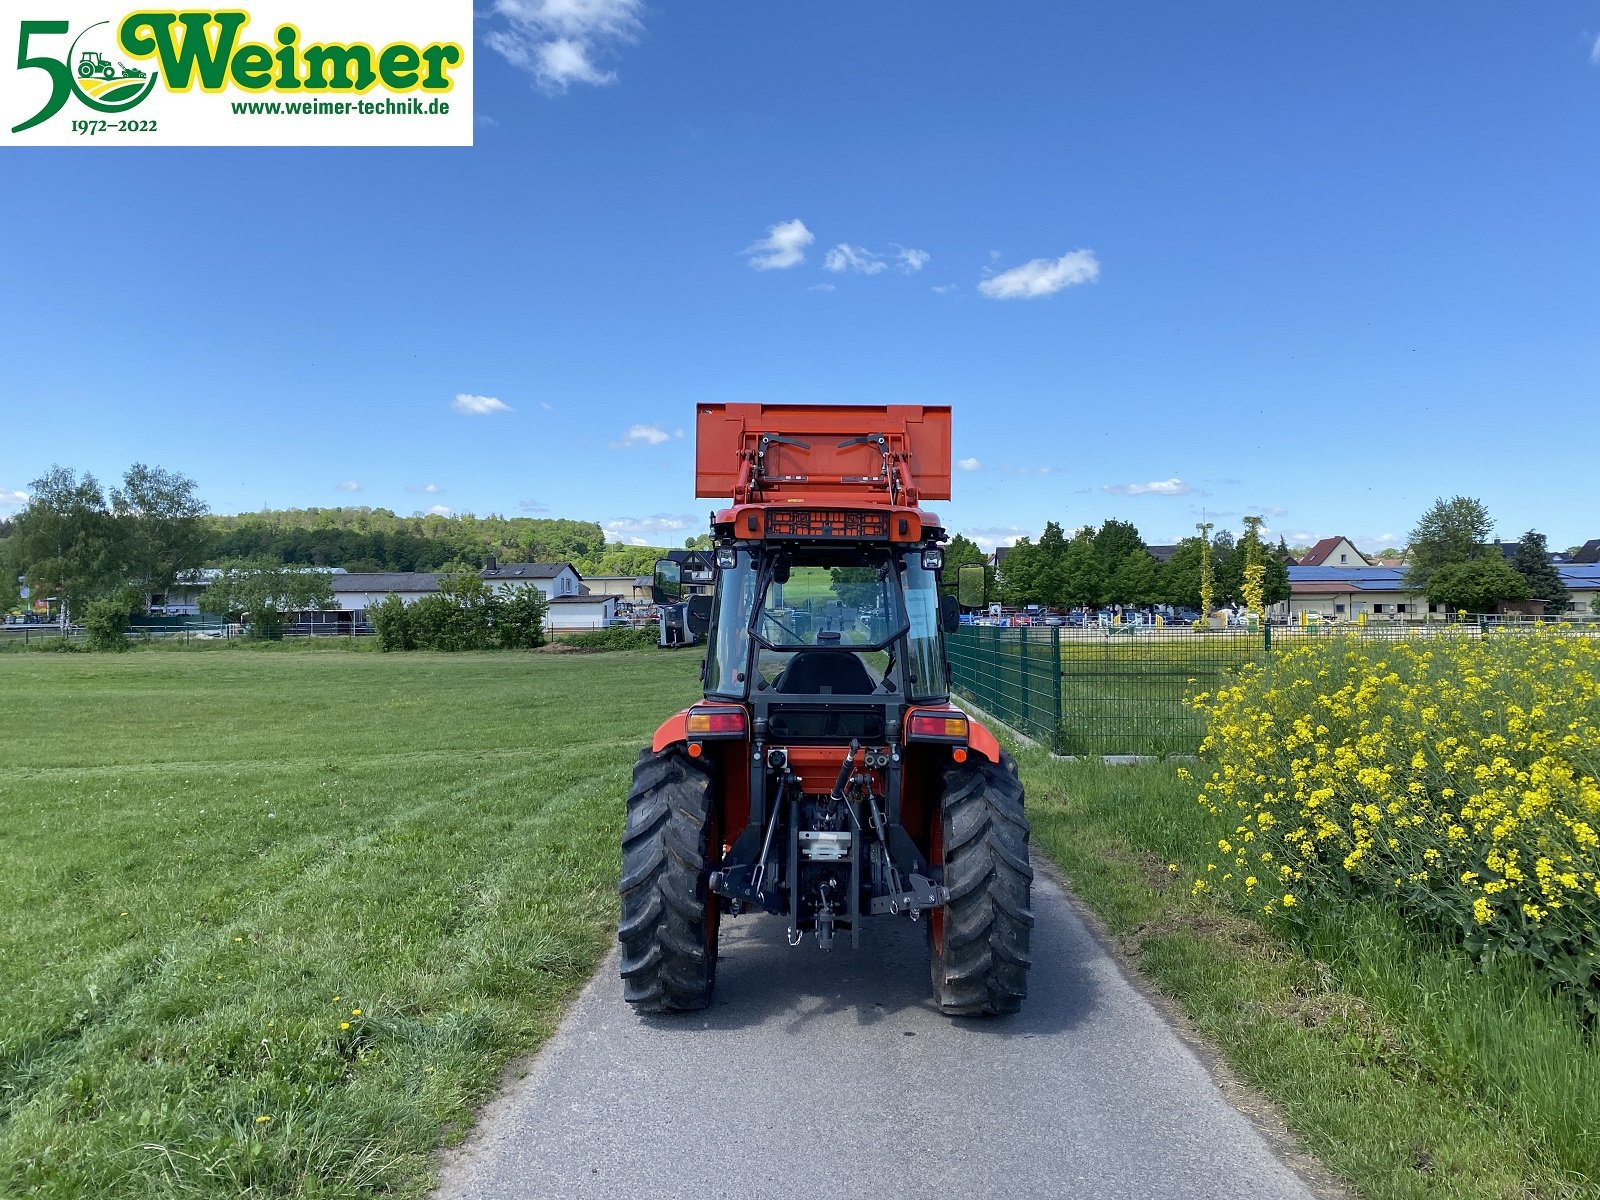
(1455, 774)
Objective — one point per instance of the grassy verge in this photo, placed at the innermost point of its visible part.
(271, 923)
(1403, 1067)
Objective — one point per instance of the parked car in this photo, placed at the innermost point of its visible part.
(1054, 619)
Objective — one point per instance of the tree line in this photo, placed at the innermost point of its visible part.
(1113, 565)
(76, 542)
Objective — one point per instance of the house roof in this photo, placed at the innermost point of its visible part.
(1589, 552)
(1161, 553)
(384, 582)
(580, 600)
(1318, 554)
(528, 570)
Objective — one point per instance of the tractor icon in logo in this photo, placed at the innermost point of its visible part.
(94, 63)
(102, 83)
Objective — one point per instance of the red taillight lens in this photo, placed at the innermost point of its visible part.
(937, 726)
(717, 722)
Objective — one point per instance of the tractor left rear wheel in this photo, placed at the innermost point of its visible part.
(670, 916)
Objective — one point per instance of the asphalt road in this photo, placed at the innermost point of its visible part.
(832, 1075)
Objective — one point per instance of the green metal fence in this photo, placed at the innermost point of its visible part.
(1102, 690)
(1127, 692)
(1014, 674)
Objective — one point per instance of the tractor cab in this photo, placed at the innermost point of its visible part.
(827, 621)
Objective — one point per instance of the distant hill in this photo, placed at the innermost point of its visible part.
(376, 539)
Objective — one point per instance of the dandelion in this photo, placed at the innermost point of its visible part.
(343, 1025)
(263, 1119)
(355, 1012)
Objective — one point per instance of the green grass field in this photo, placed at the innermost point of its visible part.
(272, 922)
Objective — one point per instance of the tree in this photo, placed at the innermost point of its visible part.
(1049, 585)
(1113, 542)
(1253, 571)
(1178, 579)
(1134, 581)
(1081, 582)
(1478, 585)
(158, 526)
(264, 593)
(1020, 577)
(1532, 562)
(63, 540)
(1207, 570)
(1451, 531)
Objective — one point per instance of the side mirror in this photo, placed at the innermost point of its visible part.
(972, 585)
(697, 615)
(949, 614)
(667, 587)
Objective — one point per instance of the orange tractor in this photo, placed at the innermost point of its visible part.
(825, 777)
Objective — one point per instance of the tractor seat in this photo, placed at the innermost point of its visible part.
(821, 673)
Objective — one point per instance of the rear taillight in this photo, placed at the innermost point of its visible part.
(936, 727)
(717, 723)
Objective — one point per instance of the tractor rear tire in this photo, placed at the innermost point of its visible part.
(979, 939)
(670, 916)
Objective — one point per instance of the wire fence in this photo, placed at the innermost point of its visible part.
(1126, 690)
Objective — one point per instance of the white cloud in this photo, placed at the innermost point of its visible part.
(478, 406)
(1270, 511)
(11, 498)
(944, 289)
(845, 257)
(1014, 469)
(641, 435)
(782, 248)
(677, 433)
(431, 489)
(1594, 51)
(970, 464)
(439, 510)
(910, 261)
(988, 537)
(349, 485)
(1161, 487)
(1042, 277)
(547, 406)
(531, 506)
(558, 41)
(653, 530)
(822, 287)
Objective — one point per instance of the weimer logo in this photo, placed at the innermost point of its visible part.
(231, 76)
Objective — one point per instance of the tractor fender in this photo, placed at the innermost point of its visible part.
(673, 729)
(981, 741)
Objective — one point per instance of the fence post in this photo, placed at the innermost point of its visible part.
(1267, 630)
(1025, 680)
(1058, 713)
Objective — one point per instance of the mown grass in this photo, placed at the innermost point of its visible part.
(1400, 1064)
(271, 923)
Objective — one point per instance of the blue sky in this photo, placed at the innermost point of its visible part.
(1324, 263)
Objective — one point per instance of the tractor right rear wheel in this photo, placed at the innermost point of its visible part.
(670, 916)
(979, 939)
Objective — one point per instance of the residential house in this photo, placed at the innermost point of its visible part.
(1334, 552)
(553, 580)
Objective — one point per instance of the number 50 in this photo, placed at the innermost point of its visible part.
(60, 77)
